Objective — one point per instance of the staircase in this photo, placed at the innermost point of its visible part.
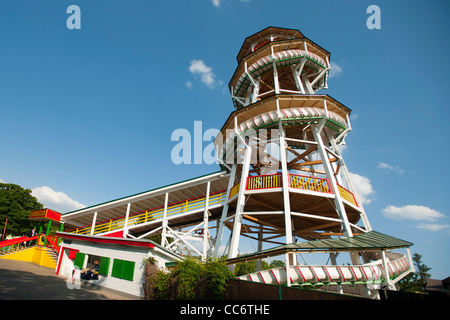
(52, 253)
(16, 249)
(10, 250)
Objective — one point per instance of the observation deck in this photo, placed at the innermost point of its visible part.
(311, 199)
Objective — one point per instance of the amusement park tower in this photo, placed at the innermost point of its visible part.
(288, 181)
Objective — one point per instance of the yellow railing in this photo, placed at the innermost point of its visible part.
(347, 195)
(149, 215)
(264, 182)
(234, 190)
(309, 183)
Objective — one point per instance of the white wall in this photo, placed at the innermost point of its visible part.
(112, 251)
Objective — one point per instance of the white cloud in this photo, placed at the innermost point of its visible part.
(55, 200)
(363, 187)
(383, 165)
(216, 3)
(412, 212)
(189, 85)
(335, 70)
(432, 226)
(198, 67)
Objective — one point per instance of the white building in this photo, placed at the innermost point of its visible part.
(122, 261)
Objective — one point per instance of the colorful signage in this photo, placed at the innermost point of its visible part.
(45, 214)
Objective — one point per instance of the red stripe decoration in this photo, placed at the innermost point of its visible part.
(298, 268)
(365, 274)
(326, 270)
(343, 277)
(375, 272)
(356, 277)
(271, 270)
(260, 274)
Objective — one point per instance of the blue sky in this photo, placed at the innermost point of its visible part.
(86, 115)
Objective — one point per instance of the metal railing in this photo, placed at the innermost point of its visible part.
(296, 181)
(264, 181)
(347, 195)
(234, 190)
(309, 183)
(178, 208)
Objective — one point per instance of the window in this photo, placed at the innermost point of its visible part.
(104, 266)
(123, 269)
(79, 260)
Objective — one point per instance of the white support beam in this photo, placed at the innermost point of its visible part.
(346, 175)
(94, 221)
(223, 218)
(331, 177)
(234, 243)
(149, 233)
(255, 92)
(164, 222)
(205, 221)
(385, 269)
(320, 75)
(125, 224)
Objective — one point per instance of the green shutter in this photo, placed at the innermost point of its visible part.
(104, 266)
(79, 260)
(123, 269)
(128, 270)
(117, 268)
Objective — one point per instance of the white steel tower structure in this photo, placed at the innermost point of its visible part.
(288, 179)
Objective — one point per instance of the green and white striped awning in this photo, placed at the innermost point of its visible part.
(369, 241)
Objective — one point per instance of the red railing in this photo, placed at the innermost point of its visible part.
(14, 241)
(53, 240)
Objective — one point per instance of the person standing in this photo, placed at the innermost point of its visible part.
(30, 234)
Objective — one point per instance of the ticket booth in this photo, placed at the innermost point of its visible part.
(42, 216)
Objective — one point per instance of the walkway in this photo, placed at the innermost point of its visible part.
(27, 281)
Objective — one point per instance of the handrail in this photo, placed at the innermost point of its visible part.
(347, 195)
(296, 181)
(52, 242)
(264, 181)
(309, 183)
(17, 240)
(153, 214)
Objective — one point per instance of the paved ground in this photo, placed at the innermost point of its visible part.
(28, 281)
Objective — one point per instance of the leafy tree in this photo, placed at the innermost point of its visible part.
(277, 264)
(417, 281)
(250, 266)
(16, 203)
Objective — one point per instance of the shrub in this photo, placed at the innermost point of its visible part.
(189, 279)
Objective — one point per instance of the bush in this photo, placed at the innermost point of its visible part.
(189, 279)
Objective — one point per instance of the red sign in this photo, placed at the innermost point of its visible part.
(45, 214)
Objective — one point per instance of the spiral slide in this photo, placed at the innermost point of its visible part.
(281, 58)
(302, 115)
(321, 275)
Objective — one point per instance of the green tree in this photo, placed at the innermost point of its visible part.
(250, 266)
(277, 264)
(16, 203)
(417, 281)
